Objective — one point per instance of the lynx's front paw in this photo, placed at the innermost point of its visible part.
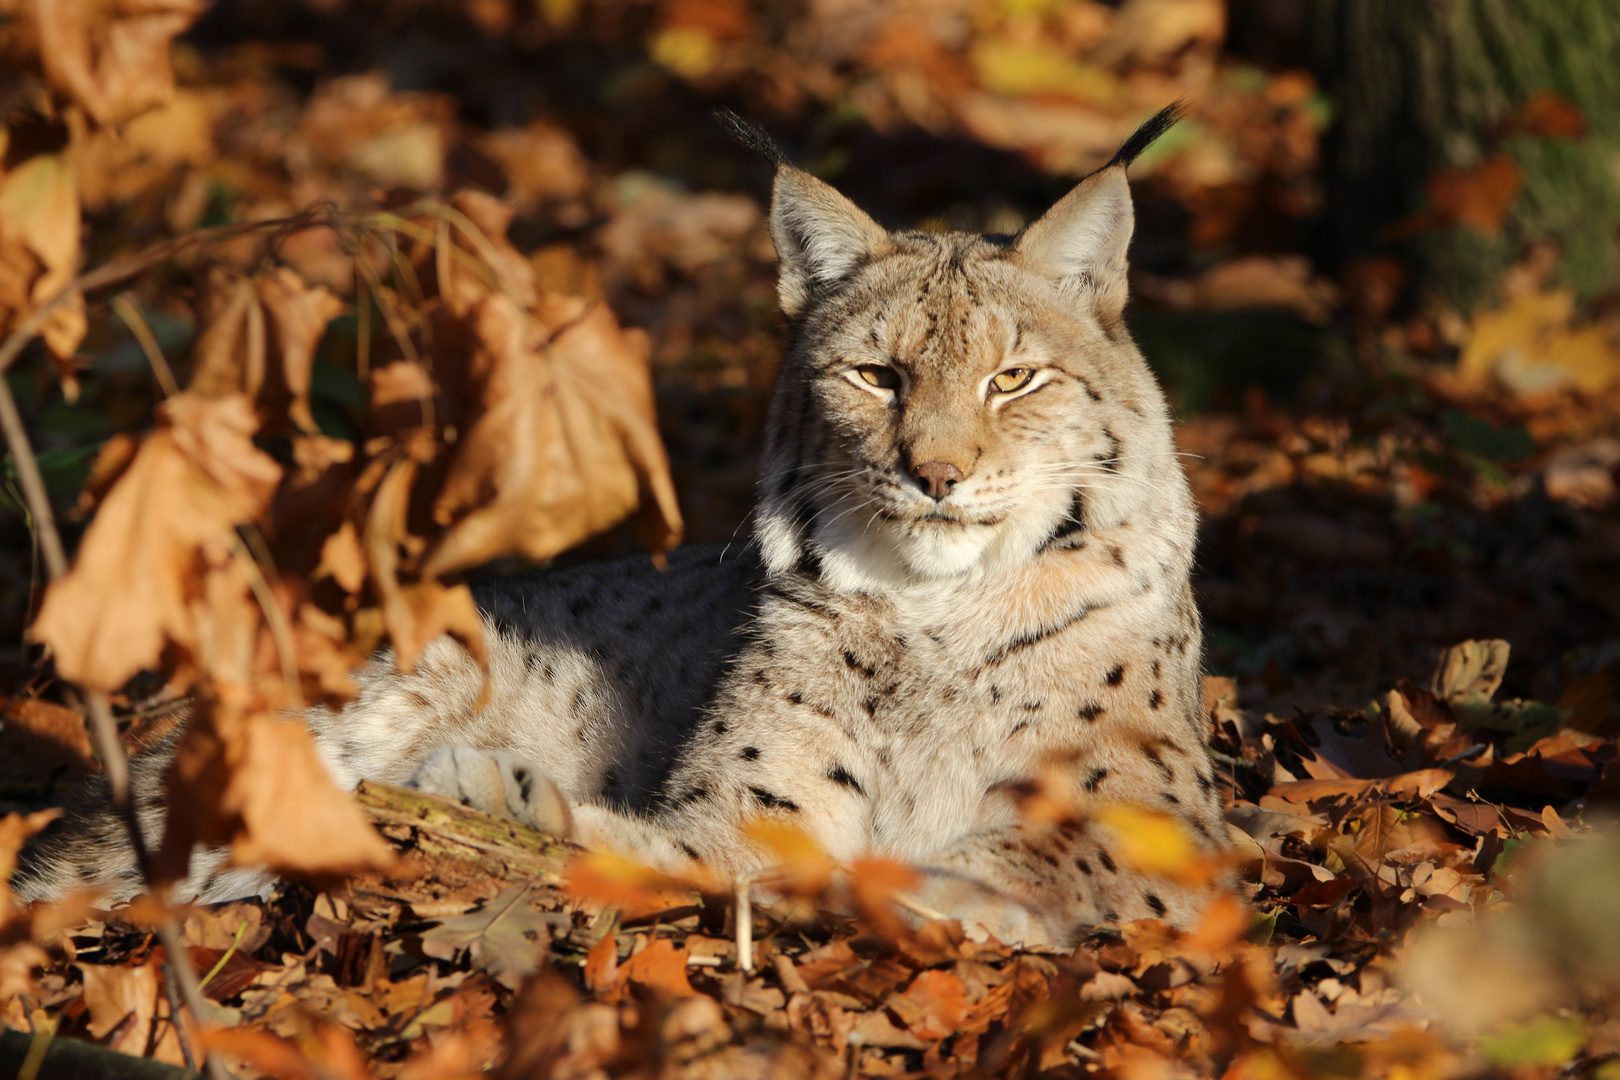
(497, 782)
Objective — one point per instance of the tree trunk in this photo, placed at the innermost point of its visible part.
(1425, 85)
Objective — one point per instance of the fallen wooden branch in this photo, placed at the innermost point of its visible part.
(454, 846)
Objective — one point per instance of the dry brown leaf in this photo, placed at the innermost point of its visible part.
(170, 513)
(1477, 197)
(39, 248)
(661, 967)
(564, 444)
(44, 742)
(255, 782)
(417, 613)
(258, 336)
(933, 1006)
(111, 56)
(128, 1008)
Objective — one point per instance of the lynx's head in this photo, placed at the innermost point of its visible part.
(953, 403)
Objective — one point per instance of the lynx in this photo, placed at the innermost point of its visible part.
(969, 573)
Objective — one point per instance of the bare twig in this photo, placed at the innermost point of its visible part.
(126, 267)
(103, 726)
(33, 485)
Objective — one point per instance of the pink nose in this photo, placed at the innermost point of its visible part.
(936, 477)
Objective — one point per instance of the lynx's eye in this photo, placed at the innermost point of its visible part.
(1015, 378)
(879, 375)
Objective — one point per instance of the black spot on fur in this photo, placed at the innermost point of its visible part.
(1035, 637)
(720, 727)
(1164, 767)
(1097, 776)
(749, 753)
(1117, 554)
(690, 851)
(871, 705)
(771, 801)
(1107, 862)
(1156, 904)
(1047, 857)
(854, 664)
(1156, 669)
(1205, 784)
(762, 677)
(796, 697)
(1090, 711)
(581, 702)
(1082, 866)
(1171, 799)
(842, 776)
(1115, 676)
(1109, 459)
(1069, 530)
(1020, 726)
(525, 783)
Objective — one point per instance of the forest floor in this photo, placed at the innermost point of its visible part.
(1409, 560)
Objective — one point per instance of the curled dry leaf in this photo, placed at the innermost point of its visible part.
(416, 613)
(39, 248)
(171, 513)
(564, 442)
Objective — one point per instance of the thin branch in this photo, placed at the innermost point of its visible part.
(33, 484)
(103, 726)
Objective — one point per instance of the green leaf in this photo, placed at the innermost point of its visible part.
(1546, 1040)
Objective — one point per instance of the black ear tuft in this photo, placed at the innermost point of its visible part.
(754, 137)
(1144, 136)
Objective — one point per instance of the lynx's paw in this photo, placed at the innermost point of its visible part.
(497, 782)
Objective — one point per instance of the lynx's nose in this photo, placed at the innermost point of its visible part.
(936, 477)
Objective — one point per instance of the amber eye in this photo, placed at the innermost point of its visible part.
(885, 378)
(1015, 378)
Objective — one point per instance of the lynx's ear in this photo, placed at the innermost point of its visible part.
(1082, 240)
(820, 236)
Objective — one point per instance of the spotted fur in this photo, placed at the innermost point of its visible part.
(961, 583)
